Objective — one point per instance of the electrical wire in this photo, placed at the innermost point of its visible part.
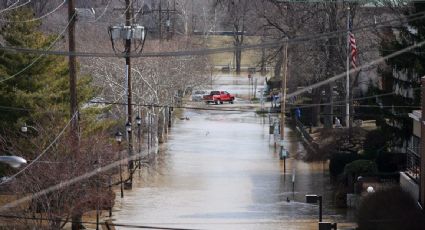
(90, 222)
(296, 40)
(334, 103)
(42, 153)
(337, 103)
(11, 7)
(125, 11)
(103, 13)
(41, 55)
(359, 99)
(10, 108)
(69, 182)
(36, 19)
(341, 75)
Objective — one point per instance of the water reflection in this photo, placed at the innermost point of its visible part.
(219, 171)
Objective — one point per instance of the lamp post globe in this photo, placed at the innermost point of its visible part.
(370, 189)
(118, 136)
(24, 129)
(128, 127)
(138, 120)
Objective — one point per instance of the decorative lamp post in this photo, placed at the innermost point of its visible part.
(118, 138)
(128, 127)
(138, 120)
(139, 137)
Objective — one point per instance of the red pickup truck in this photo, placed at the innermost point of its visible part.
(219, 97)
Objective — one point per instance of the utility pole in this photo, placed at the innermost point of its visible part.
(128, 13)
(168, 22)
(72, 73)
(347, 79)
(76, 217)
(160, 20)
(282, 101)
(125, 34)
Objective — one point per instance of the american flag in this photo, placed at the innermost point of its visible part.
(353, 46)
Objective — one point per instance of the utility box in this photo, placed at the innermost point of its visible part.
(311, 199)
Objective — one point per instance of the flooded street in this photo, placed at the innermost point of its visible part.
(219, 170)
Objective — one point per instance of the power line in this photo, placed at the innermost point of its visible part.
(296, 40)
(90, 222)
(36, 19)
(334, 103)
(103, 13)
(371, 63)
(42, 153)
(41, 55)
(164, 106)
(10, 108)
(12, 7)
(359, 99)
(65, 183)
(337, 103)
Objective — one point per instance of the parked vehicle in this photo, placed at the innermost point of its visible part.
(219, 97)
(198, 95)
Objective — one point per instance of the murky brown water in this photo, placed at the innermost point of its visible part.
(219, 170)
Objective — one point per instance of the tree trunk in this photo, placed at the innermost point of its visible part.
(76, 222)
(278, 65)
(161, 125)
(238, 59)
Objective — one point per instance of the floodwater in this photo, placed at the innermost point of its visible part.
(219, 170)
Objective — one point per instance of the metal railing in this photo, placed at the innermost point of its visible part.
(413, 164)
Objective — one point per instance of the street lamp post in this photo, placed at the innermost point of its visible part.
(118, 138)
(129, 130)
(139, 139)
(13, 161)
(312, 199)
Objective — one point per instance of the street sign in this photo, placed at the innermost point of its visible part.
(283, 153)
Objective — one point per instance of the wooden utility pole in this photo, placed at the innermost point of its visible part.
(76, 217)
(72, 72)
(129, 92)
(160, 20)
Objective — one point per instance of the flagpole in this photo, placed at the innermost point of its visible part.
(347, 83)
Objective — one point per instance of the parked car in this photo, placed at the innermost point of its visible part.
(198, 95)
(219, 97)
